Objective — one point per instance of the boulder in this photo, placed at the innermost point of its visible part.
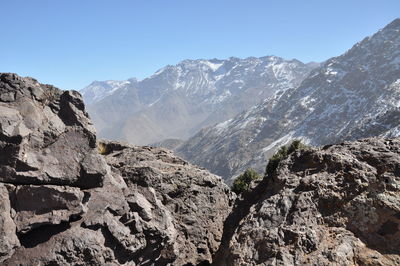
(39, 205)
(46, 137)
(187, 204)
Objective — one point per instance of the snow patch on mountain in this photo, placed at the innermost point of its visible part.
(355, 95)
(98, 90)
(180, 99)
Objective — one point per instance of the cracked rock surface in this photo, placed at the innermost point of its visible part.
(339, 205)
(62, 203)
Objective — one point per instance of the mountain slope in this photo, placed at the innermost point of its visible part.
(352, 96)
(98, 90)
(178, 100)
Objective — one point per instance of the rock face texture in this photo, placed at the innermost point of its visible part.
(195, 202)
(355, 95)
(46, 136)
(178, 100)
(68, 199)
(339, 205)
(62, 203)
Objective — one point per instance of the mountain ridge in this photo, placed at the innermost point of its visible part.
(178, 100)
(345, 94)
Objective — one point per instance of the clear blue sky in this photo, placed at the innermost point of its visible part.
(70, 43)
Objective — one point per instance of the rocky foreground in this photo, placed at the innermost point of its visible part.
(339, 205)
(65, 204)
(69, 199)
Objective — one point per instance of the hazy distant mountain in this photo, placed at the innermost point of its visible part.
(178, 100)
(170, 144)
(98, 90)
(352, 96)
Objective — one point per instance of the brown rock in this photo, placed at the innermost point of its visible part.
(74, 246)
(339, 205)
(185, 204)
(9, 240)
(46, 136)
(39, 205)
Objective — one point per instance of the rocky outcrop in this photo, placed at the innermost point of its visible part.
(338, 205)
(195, 202)
(45, 136)
(63, 203)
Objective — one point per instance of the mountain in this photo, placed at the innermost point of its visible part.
(98, 90)
(170, 144)
(355, 95)
(177, 101)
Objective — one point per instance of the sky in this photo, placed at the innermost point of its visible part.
(70, 43)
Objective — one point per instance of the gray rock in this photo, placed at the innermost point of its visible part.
(187, 205)
(36, 206)
(75, 246)
(9, 240)
(46, 136)
(335, 206)
(62, 203)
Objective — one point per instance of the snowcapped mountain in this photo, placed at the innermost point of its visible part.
(98, 90)
(178, 100)
(352, 96)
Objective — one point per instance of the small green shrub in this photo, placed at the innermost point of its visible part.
(282, 154)
(242, 183)
(273, 162)
(296, 145)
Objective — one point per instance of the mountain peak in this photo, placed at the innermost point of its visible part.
(395, 24)
(179, 99)
(354, 95)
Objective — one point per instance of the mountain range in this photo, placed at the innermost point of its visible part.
(179, 100)
(352, 96)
